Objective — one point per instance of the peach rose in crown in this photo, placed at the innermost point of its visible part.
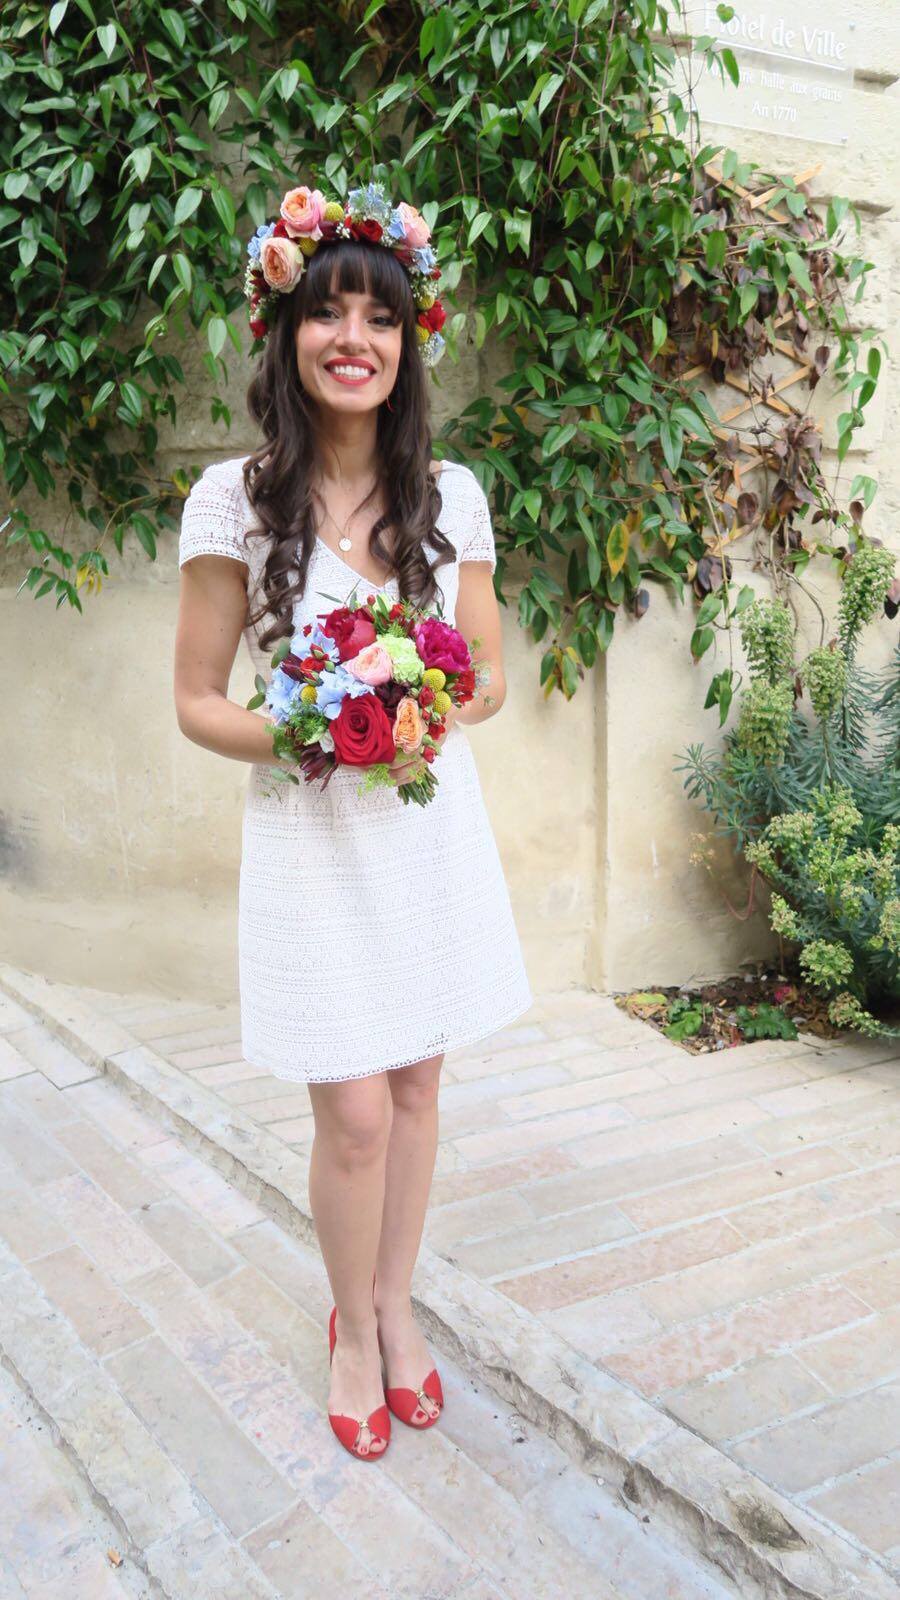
(282, 262)
(408, 725)
(372, 665)
(303, 210)
(416, 231)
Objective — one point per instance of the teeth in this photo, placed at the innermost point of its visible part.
(352, 372)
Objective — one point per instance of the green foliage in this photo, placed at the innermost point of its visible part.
(550, 149)
(764, 1021)
(814, 803)
(684, 1018)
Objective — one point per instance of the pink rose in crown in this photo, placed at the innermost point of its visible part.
(303, 210)
(282, 262)
(441, 646)
(416, 231)
(372, 665)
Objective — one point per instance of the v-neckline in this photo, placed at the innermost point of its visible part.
(360, 578)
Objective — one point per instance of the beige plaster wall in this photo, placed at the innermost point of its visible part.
(120, 840)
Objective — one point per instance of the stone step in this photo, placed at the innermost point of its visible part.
(172, 1339)
(729, 1516)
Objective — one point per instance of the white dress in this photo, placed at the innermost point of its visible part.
(371, 934)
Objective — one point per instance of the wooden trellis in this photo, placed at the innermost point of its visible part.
(773, 397)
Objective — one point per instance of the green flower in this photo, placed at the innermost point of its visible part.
(406, 663)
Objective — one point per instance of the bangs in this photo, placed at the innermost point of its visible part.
(352, 267)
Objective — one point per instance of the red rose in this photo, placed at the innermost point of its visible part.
(350, 632)
(434, 318)
(464, 687)
(426, 695)
(369, 229)
(428, 753)
(280, 229)
(362, 732)
(258, 327)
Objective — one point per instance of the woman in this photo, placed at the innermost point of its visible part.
(373, 936)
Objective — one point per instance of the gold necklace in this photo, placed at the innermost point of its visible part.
(344, 543)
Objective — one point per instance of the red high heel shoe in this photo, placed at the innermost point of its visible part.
(349, 1429)
(406, 1404)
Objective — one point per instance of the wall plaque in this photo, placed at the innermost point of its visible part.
(796, 72)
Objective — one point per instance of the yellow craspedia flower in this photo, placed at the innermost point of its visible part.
(308, 693)
(442, 702)
(434, 677)
(425, 300)
(422, 334)
(334, 211)
(308, 247)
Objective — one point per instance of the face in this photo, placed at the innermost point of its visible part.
(358, 336)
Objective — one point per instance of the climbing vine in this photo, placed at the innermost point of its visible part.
(622, 272)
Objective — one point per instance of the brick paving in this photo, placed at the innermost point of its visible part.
(718, 1231)
(176, 1335)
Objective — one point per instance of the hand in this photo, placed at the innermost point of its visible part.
(406, 768)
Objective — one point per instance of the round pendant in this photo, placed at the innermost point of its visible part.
(345, 544)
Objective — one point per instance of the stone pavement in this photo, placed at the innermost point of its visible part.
(716, 1231)
(171, 1337)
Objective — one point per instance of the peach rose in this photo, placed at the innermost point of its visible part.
(282, 262)
(416, 231)
(303, 210)
(372, 665)
(408, 725)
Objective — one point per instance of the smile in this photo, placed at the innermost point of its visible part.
(347, 372)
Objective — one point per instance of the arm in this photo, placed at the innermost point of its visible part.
(211, 617)
(478, 617)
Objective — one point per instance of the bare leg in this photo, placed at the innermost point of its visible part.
(346, 1194)
(409, 1170)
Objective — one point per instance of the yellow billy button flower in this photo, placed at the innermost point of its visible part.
(442, 702)
(434, 677)
(308, 693)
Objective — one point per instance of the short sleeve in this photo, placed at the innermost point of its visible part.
(478, 534)
(212, 522)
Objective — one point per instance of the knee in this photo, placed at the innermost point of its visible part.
(359, 1137)
(415, 1089)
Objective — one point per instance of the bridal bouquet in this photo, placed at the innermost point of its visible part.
(368, 686)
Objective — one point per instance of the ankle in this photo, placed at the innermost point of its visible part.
(392, 1303)
(359, 1331)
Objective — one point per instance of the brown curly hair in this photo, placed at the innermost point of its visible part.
(277, 475)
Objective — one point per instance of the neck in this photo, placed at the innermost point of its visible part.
(347, 450)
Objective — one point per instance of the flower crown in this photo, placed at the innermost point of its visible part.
(278, 253)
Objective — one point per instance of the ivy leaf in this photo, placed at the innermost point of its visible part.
(617, 548)
(728, 61)
(106, 36)
(799, 270)
(187, 203)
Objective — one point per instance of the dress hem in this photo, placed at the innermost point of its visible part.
(423, 1055)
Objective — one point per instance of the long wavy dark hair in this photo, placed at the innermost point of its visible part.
(277, 475)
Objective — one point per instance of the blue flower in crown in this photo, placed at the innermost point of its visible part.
(262, 232)
(424, 258)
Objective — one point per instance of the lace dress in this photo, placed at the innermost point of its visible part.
(371, 934)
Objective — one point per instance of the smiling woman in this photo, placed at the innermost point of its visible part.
(373, 936)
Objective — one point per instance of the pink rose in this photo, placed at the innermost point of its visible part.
(416, 231)
(282, 262)
(372, 665)
(303, 210)
(439, 645)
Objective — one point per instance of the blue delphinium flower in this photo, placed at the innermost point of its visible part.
(302, 643)
(424, 258)
(334, 689)
(282, 694)
(262, 232)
